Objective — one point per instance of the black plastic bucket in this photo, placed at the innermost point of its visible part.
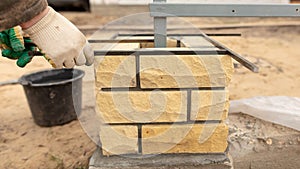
(54, 96)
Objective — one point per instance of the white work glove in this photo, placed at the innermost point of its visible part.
(61, 41)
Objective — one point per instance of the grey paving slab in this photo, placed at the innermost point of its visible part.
(170, 161)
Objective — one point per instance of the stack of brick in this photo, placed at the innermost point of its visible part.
(163, 104)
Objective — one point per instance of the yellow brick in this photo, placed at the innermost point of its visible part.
(116, 71)
(185, 71)
(197, 42)
(118, 140)
(188, 138)
(139, 107)
(209, 105)
(115, 46)
(125, 46)
(171, 43)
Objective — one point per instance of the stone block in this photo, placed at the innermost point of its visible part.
(142, 106)
(185, 71)
(209, 105)
(171, 43)
(114, 46)
(184, 138)
(196, 42)
(119, 139)
(116, 71)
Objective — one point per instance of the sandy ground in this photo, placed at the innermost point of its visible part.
(274, 49)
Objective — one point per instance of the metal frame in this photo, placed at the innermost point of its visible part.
(234, 55)
(126, 35)
(121, 40)
(223, 10)
(160, 27)
(162, 51)
(184, 34)
(160, 10)
(220, 50)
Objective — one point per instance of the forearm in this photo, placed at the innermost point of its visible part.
(16, 12)
(34, 20)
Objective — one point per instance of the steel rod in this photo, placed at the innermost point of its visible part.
(160, 27)
(125, 89)
(162, 51)
(223, 10)
(184, 34)
(120, 40)
(233, 54)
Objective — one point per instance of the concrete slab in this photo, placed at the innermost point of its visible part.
(169, 161)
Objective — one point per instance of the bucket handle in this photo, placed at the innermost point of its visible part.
(10, 82)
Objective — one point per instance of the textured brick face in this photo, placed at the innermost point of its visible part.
(142, 107)
(119, 139)
(167, 118)
(185, 71)
(171, 43)
(116, 71)
(188, 138)
(209, 105)
(166, 139)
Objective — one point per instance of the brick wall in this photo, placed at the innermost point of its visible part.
(163, 104)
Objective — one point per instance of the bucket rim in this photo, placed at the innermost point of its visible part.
(25, 82)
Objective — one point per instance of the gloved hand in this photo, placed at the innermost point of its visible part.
(14, 46)
(62, 42)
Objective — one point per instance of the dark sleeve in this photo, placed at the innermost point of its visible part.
(15, 12)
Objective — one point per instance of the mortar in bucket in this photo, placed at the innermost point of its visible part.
(54, 96)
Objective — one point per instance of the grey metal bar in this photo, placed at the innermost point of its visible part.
(160, 27)
(178, 43)
(120, 40)
(189, 105)
(162, 51)
(137, 68)
(234, 55)
(170, 123)
(140, 140)
(223, 10)
(160, 35)
(10, 82)
(126, 89)
(184, 34)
